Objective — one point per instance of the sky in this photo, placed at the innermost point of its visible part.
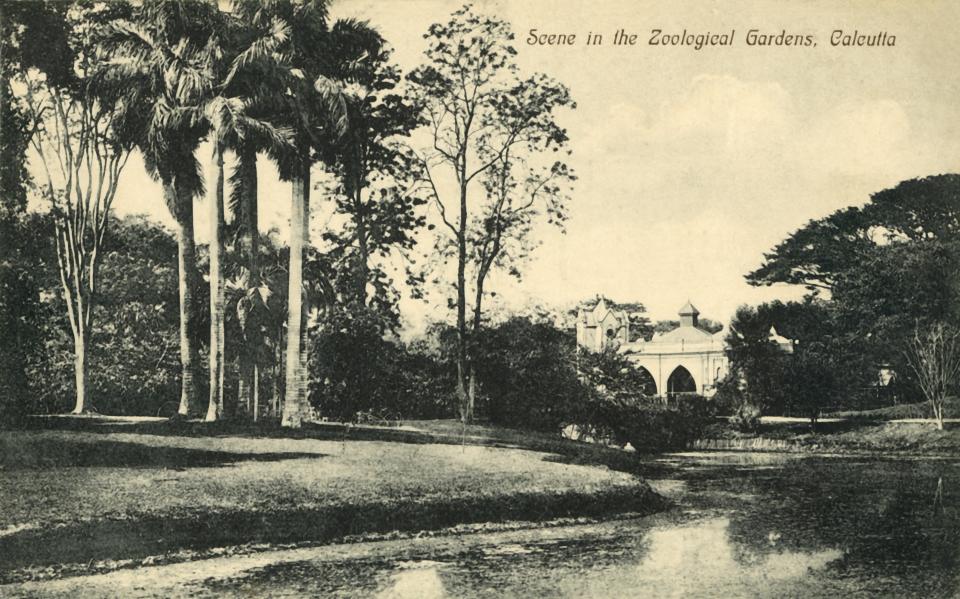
(693, 163)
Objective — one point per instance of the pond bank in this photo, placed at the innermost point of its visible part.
(83, 497)
(741, 525)
(837, 437)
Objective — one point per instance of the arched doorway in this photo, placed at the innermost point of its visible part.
(681, 381)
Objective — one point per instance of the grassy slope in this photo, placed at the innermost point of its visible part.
(89, 491)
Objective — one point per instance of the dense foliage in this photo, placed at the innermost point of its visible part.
(528, 375)
(134, 362)
(356, 374)
(877, 274)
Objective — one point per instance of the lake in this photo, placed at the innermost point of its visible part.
(743, 525)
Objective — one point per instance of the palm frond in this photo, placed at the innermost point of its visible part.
(335, 104)
(264, 48)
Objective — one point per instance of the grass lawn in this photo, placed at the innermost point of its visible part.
(102, 493)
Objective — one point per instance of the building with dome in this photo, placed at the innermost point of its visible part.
(687, 359)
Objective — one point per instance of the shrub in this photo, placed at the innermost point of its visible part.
(528, 377)
(649, 424)
(746, 418)
(356, 374)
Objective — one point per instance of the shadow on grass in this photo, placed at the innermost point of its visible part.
(68, 453)
(225, 428)
(74, 548)
(567, 451)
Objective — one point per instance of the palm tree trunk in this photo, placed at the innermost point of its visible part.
(256, 392)
(215, 405)
(304, 377)
(187, 277)
(277, 373)
(292, 410)
(221, 298)
(251, 246)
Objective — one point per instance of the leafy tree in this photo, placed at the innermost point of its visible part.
(917, 209)
(896, 289)
(810, 381)
(613, 373)
(137, 345)
(756, 363)
(357, 374)
(816, 254)
(133, 366)
(887, 268)
(490, 127)
(379, 190)
(763, 377)
(20, 311)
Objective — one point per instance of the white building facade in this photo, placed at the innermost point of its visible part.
(687, 359)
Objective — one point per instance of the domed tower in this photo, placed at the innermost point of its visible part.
(689, 315)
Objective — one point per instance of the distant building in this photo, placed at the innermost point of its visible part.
(599, 327)
(687, 359)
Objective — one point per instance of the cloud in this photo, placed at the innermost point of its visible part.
(861, 139)
(726, 115)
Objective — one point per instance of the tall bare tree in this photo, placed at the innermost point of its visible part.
(934, 356)
(82, 156)
(482, 119)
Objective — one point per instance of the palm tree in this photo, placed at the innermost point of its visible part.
(230, 123)
(236, 119)
(308, 62)
(158, 60)
(301, 25)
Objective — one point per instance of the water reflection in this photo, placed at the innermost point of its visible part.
(415, 580)
(938, 498)
(698, 560)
